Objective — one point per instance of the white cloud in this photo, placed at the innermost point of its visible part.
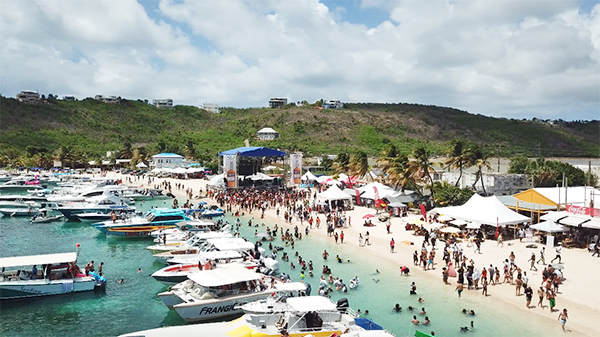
(502, 58)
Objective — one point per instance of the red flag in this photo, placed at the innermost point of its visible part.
(376, 197)
(357, 197)
(497, 225)
(424, 213)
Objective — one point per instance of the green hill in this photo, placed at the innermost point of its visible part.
(92, 127)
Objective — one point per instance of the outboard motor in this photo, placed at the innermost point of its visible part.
(342, 305)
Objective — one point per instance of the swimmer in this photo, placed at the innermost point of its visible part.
(376, 271)
(472, 313)
(464, 329)
(366, 312)
(426, 321)
(410, 308)
(423, 312)
(397, 308)
(415, 321)
(120, 281)
(139, 270)
(421, 299)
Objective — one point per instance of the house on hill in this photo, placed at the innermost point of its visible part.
(267, 134)
(28, 96)
(166, 160)
(277, 102)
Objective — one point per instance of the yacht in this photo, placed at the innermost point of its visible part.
(137, 226)
(25, 208)
(193, 242)
(101, 204)
(58, 274)
(314, 316)
(217, 293)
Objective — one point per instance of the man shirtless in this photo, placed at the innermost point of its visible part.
(563, 318)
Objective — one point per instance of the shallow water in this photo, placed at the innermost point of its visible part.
(133, 305)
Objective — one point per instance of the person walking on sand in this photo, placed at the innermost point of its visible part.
(367, 242)
(532, 260)
(528, 296)
(392, 245)
(558, 251)
(500, 240)
(360, 240)
(563, 316)
(540, 293)
(542, 258)
(459, 289)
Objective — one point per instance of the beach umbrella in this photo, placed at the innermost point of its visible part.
(368, 216)
(434, 225)
(202, 203)
(453, 230)
(473, 225)
(548, 226)
(417, 222)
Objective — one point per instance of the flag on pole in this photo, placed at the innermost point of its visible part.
(424, 212)
(376, 197)
(357, 197)
(497, 225)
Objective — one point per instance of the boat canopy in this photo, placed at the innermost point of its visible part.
(221, 255)
(311, 303)
(30, 260)
(231, 244)
(224, 276)
(290, 286)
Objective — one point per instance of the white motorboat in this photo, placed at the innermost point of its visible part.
(180, 272)
(93, 216)
(219, 292)
(58, 274)
(21, 184)
(41, 218)
(193, 242)
(25, 208)
(144, 194)
(304, 316)
(216, 244)
(103, 204)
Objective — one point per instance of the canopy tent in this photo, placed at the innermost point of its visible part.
(483, 210)
(334, 193)
(253, 151)
(453, 230)
(572, 220)
(473, 225)
(217, 181)
(368, 191)
(444, 218)
(459, 222)
(309, 176)
(554, 216)
(141, 165)
(548, 226)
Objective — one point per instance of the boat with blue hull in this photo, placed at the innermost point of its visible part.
(153, 220)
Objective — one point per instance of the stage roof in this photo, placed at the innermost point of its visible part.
(253, 151)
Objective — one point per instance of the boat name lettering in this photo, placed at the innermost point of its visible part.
(31, 290)
(223, 308)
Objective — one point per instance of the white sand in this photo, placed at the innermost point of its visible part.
(578, 293)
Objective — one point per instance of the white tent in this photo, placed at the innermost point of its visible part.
(217, 181)
(382, 190)
(180, 170)
(484, 210)
(141, 165)
(548, 226)
(334, 193)
(309, 176)
(156, 170)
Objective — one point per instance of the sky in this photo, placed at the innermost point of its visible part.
(511, 58)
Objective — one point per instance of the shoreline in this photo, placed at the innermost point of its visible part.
(575, 293)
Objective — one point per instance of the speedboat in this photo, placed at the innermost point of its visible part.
(93, 216)
(58, 274)
(185, 228)
(154, 220)
(217, 293)
(314, 316)
(216, 244)
(41, 218)
(193, 242)
(179, 272)
(212, 212)
(21, 184)
(144, 194)
(25, 208)
(103, 204)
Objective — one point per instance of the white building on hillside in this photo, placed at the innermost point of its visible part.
(28, 96)
(212, 107)
(495, 183)
(166, 160)
(277, 102)
(267, 134)
(333, 104)
(166, 103)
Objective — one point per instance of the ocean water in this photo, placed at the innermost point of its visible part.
(133, 305)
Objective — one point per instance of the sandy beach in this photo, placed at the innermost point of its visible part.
(578, 293)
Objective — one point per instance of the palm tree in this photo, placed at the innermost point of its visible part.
(341, 163)
(66, 154)
(479, 160)
(419, 167)
(126, 151)
(359, 164)
(393, 165)
(459, 158)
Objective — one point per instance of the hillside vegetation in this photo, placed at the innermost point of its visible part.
(92, 127)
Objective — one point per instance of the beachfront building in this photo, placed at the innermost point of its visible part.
(69, 98)
(165, 103)
(333, 104)
(28, 96)
(211, 107)
(277, 102)
(107, 99)
(170, 160)
(495, 183)
(267, 134)
(559, 197)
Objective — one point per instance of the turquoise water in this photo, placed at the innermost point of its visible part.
(133, 305)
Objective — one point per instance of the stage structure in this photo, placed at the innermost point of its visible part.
(241, 166)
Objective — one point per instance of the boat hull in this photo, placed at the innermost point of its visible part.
(34, 288)
(134, 231)
(215, 309)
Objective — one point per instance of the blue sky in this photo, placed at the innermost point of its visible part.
(515, 59)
